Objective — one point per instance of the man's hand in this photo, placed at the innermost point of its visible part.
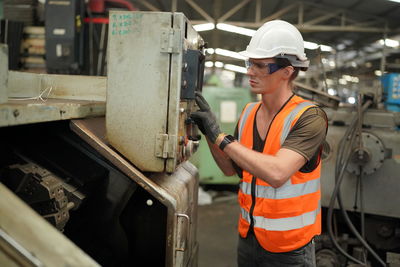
(205, 119)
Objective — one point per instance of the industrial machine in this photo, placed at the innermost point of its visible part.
(360, 186)
(116, 186)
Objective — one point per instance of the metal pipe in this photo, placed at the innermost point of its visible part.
(233, 10)
(200, 10)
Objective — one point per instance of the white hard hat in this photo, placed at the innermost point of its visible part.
(278, 38)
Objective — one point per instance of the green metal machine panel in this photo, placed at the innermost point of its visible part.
(227, 104)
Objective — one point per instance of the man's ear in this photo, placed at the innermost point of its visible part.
(288, 71)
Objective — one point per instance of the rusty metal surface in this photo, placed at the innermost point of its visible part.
(17, 112)
(148, 89)
(77, 87)
(177, 191)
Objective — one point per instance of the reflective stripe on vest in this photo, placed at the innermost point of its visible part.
(289, 119)
(244, 118)
(288, 190)
(283, 224)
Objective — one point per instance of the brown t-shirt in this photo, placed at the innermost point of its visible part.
(306, 138)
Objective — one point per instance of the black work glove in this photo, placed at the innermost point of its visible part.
(205, 119)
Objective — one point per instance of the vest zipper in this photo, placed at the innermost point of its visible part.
(253, 202)
(253, 179)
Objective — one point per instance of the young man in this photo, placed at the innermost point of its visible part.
(276, 151)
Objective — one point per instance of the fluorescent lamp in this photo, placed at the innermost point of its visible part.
(351, 100)
(397, 1)
(326, 48)
(347, 77)
(209, 64)
(329, 81)
(210, 51)
(310, 45)
(389, 42)
(250, 32)
(342, 81)
(218, 64)
(235, 29)
(236, 68)
(228, 53)
(204, 27)
(378, 73)
(331, 91)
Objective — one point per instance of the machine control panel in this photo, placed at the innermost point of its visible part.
(155, 65)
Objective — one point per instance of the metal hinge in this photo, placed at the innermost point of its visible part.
(165, 146)
(171, 41)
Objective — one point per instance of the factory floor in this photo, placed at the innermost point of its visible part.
(217, 231)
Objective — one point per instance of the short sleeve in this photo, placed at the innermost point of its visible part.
(308, 134)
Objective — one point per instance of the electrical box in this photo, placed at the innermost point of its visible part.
(391, 90)
(64, 36)
(155, 65)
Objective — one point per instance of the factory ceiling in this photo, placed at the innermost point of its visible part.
(352, 28)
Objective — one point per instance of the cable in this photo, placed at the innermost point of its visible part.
(339, 179)
(344, 154)
(362, 210)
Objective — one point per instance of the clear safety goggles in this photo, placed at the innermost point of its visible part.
(263, 67)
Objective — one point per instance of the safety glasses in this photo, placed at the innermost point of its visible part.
(263, 67)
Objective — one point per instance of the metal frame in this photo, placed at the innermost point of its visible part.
(373, 24)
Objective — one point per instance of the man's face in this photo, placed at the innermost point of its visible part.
(262, 81)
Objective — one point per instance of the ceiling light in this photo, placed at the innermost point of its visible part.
(209, 64)
(204, 27)
(351, 100)
(210, 51)
(235, 29)
(331, 91)
(342, 81)
(347, 77)
(389, 42)
(310, 45)
(228, 53)
(218, 64)
(397, 1)
(378, 73)
(341, 46)
(236, 68)
(329, 81)
(326, 48)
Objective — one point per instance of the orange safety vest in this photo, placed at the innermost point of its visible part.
(288, 217)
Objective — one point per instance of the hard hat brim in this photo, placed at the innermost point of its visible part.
(251, 55)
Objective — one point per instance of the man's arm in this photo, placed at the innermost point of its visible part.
(275, 170)
(223, 161)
